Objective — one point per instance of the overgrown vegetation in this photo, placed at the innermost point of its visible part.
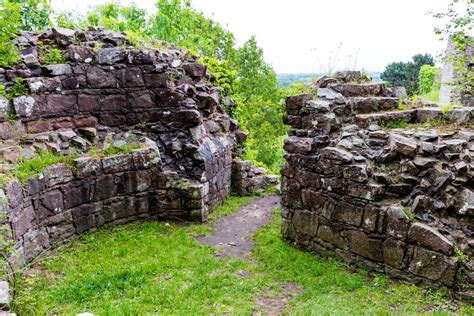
(27, 168)
(458, 22)
(151, 268)
(112, 150)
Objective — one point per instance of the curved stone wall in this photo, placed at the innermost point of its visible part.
(397, 200)
(109, 93)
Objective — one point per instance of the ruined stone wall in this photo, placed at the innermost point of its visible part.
(448, 93)
(395, 200)
(109, 93)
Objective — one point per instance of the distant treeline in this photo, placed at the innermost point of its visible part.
(287, 80)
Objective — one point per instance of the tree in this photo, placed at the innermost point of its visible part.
(10, 22)
(178, 23)
(406, 74)
(458, 25)
(35, 14)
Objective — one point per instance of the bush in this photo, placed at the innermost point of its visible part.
(10, 22)
(427, 79)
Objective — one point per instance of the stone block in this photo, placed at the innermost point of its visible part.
(394, 253)
(430, 238)
(87, 166)
(433, 266)
(305, 223)
(364, 246)
(332, 236)
(397, 222)
(117, 163)
(348, 213)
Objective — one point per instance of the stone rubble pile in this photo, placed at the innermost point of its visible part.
(396, 200)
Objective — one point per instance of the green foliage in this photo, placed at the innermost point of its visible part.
(52, 56)
(35, 14)
(223, 74)
(458, 22)
(178, 23)
(125, 149)
(427, 78)
(10, 22)
(409, 213)
(118, 18)
(406, 74)
(394, 124)
(159, 268)
(19, 88)
(28, 168)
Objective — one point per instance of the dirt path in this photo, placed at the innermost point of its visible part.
(233, 237)
(233, 233)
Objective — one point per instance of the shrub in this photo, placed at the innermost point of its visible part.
(10, 22)
(52, 56)
(427, 79)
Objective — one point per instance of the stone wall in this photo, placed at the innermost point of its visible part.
(395, 200)
(109, 94)
(448, 93)
(248, 179)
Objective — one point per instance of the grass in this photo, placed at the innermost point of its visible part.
(126, 149)
(153, 267)
(432, 96)
(28, 168)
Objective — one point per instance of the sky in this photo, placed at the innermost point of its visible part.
(313, 36)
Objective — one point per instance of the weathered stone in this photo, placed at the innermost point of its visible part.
(305, 223)
(63, 36)
(25, 106)
(109, 56)
(466, 201)
(4, 296)
(402, 145)
(298, 144)
(364, 246)
(59, 69)
(86, 167)
(397, 222)
(347, 213)
(394, 253)
(326, 233)
(430, 238)
(118, 163)
(433, 265)
(196, 70)
(336, 154)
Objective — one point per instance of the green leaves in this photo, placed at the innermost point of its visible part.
(406, 74)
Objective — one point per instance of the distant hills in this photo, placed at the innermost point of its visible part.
(287, 80)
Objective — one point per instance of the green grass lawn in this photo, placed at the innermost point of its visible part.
(153, 267)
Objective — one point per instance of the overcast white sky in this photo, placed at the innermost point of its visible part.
(301, 36)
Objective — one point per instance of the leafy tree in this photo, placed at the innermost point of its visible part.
(118, 18)
(458, 25)
(406, 74)
(35, 14)
(178, 23)
(10, 22)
